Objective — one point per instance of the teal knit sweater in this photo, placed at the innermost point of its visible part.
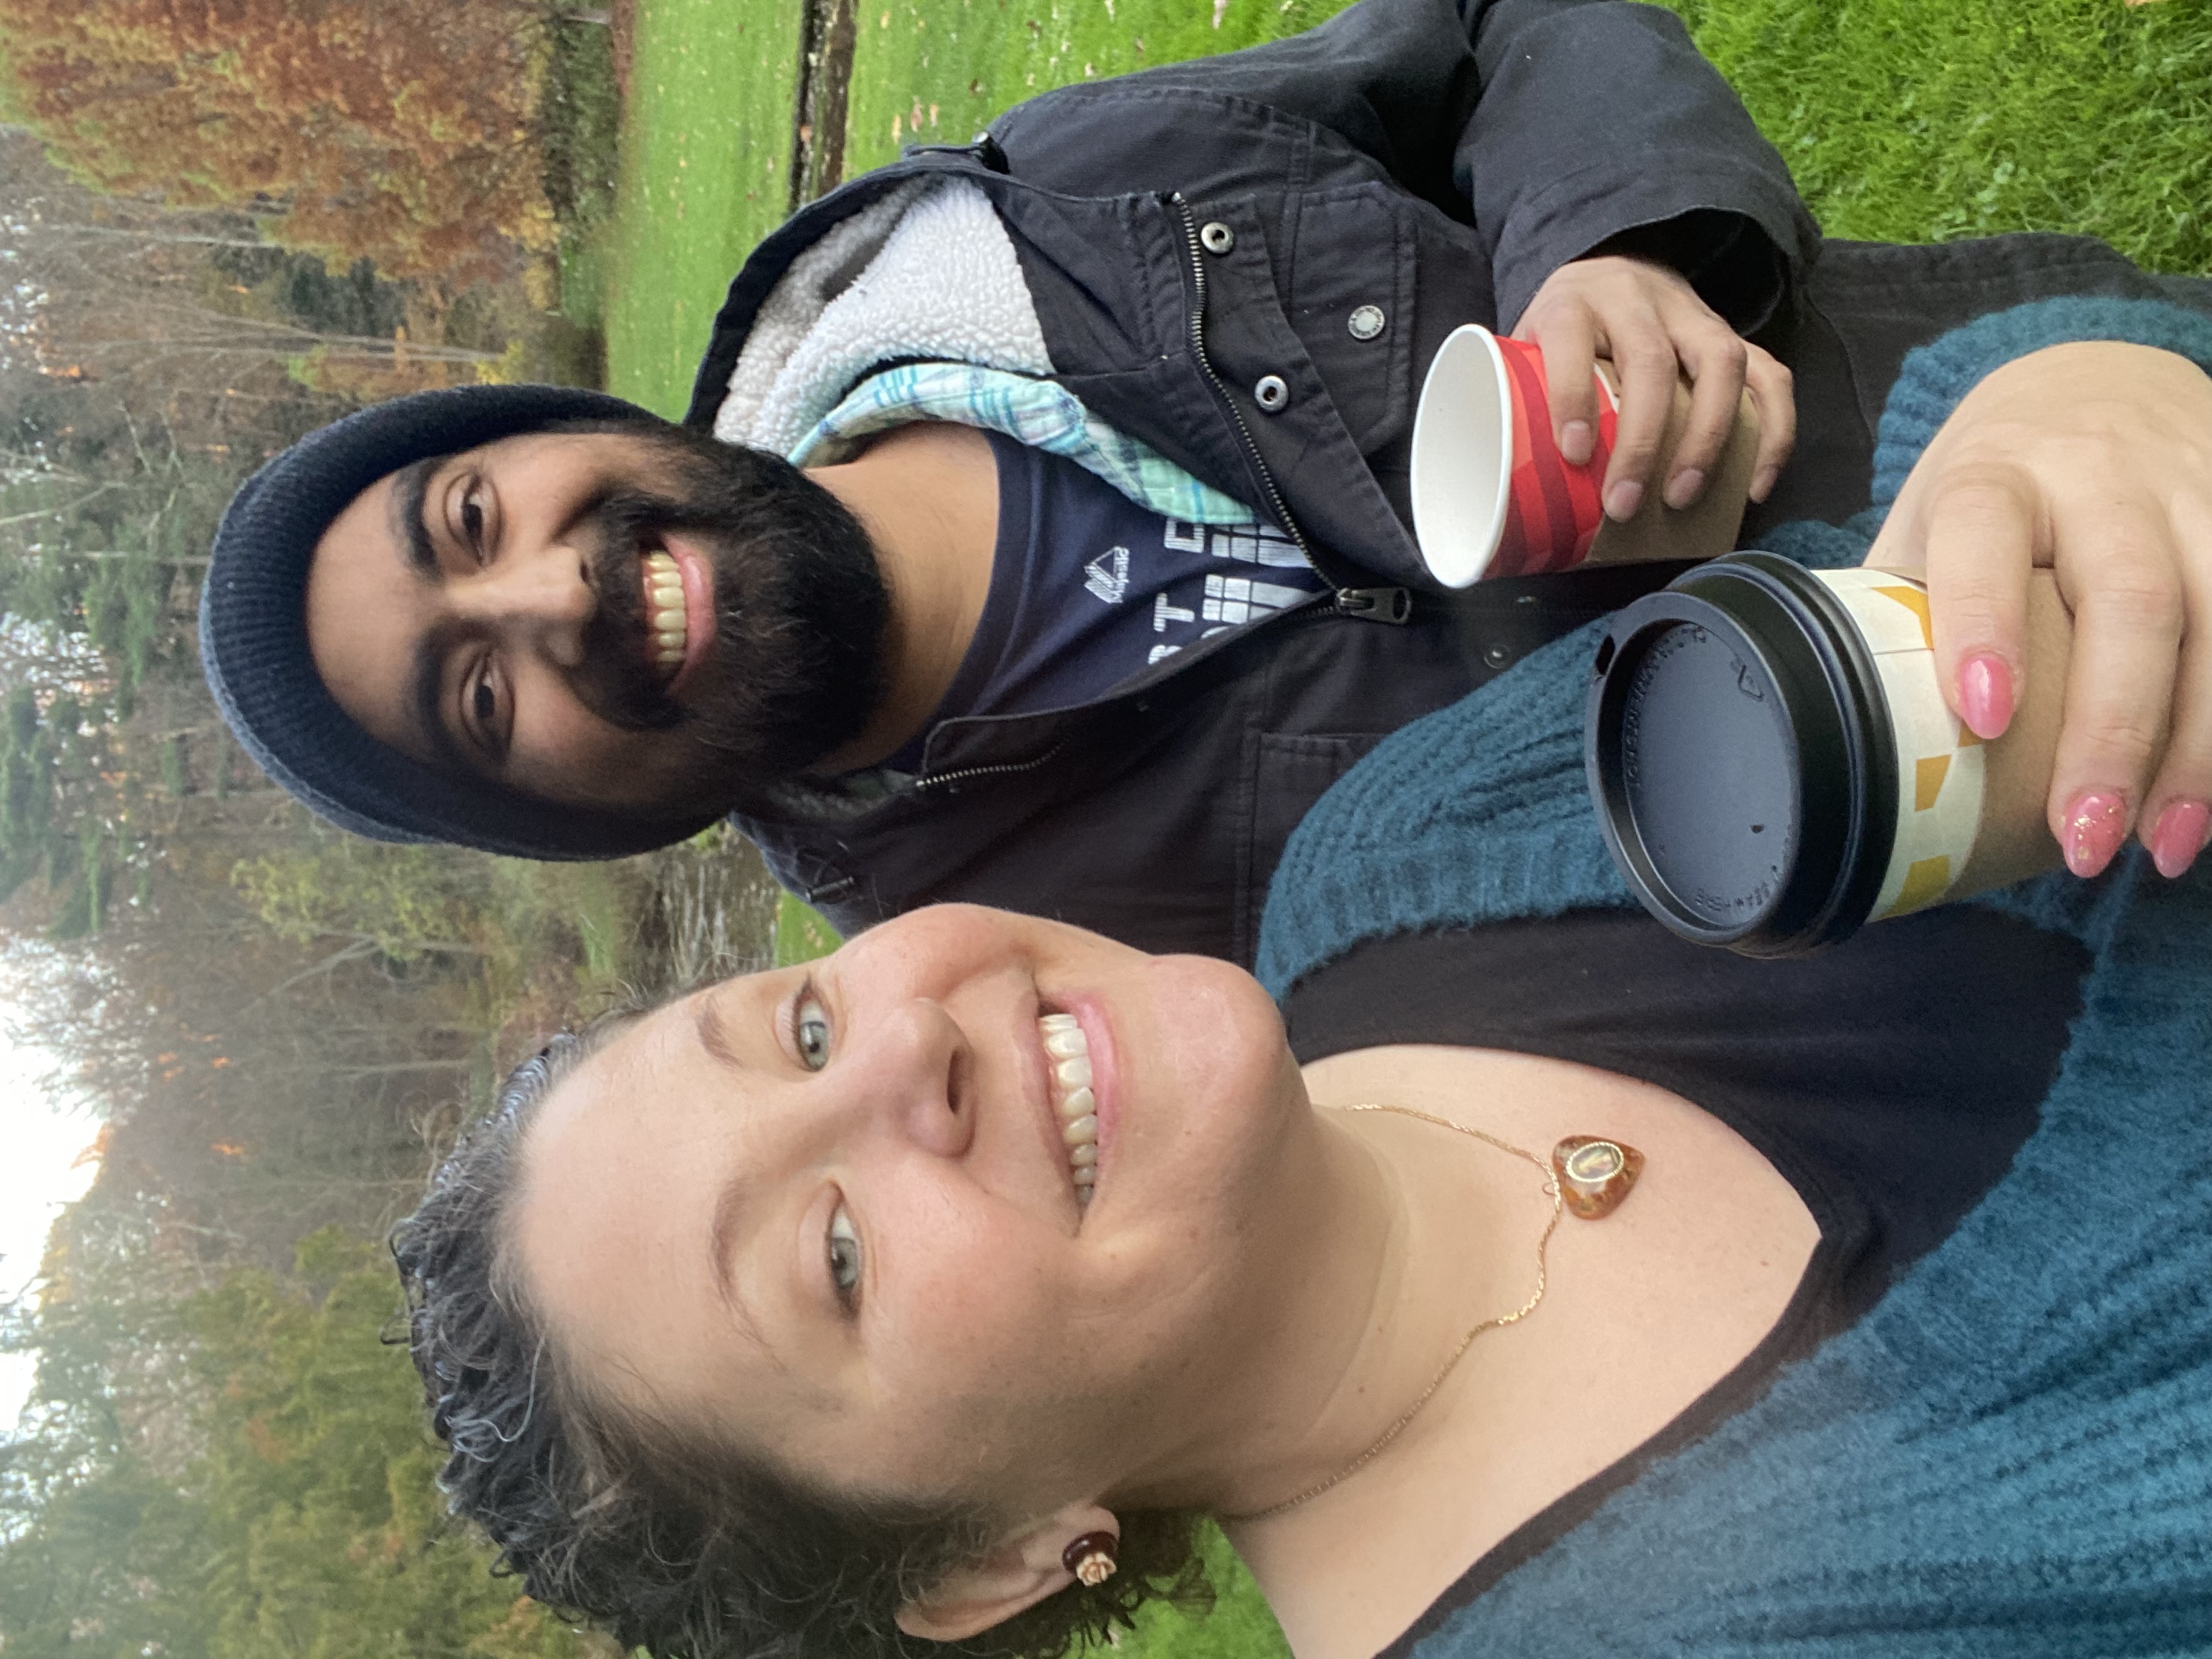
(2012, 1453)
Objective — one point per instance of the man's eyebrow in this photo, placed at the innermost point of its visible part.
(426, 694)
(411, 491)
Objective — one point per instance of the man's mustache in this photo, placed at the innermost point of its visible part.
(619, 680)
(794, 668)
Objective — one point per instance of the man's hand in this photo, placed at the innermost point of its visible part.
(1651, 323)
(2093, 461)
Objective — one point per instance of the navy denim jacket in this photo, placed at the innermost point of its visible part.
(1435, 159)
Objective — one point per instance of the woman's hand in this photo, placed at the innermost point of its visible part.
(2093, 461)
(1650, 323)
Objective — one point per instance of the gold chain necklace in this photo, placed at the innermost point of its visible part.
(1495, 1322)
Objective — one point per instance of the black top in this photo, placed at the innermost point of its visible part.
(1889, 1080)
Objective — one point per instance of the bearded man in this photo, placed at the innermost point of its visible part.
(1039, 532)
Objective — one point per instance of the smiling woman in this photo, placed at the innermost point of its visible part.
(812, 1314)
(796, 1191)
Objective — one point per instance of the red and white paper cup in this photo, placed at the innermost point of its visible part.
(1492, 496)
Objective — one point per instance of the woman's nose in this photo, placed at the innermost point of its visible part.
(913, 1077)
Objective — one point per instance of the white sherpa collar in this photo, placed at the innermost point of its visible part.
(928, 273)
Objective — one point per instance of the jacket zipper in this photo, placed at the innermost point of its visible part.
(1385, 604)
(933, 780)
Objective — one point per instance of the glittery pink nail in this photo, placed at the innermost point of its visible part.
(2095, 824)
(2182, 830)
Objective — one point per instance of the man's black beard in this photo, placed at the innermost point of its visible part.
(795, 669)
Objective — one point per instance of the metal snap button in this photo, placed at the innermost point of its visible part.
(1496, 656)
(1216, 237)
(1365, 323)
(1271, 392)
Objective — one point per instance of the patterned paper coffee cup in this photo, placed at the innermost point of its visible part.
(1492, 496)
(1773, 765)
(1770, 756)
(1940, 760)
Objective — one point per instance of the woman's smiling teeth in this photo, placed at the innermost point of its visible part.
(665, 615)
(1069, 1052)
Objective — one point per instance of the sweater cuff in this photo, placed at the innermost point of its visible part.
(1938, 375)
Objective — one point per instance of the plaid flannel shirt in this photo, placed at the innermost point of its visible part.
(1034, 412)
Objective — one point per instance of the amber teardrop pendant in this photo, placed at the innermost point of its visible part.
(1594, 1173)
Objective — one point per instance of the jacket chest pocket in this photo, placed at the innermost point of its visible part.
(1350, 299)
(1285, 773)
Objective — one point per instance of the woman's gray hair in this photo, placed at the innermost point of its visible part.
(676, 1544)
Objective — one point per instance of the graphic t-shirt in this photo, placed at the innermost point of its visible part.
(1088, 589)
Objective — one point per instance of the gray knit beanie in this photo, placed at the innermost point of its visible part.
(253, 635)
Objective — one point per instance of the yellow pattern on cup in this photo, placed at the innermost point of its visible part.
(1939, 760)
(1928, 775)
(1926, 880)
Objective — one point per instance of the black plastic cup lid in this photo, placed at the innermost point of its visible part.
(1740, 759)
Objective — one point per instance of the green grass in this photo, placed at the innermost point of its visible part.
(545, 906)
(707, 139)
(582, 117)
(1903, 119)
(938, 70)
(706, 154)
(799, 934)
(1240, 1626)
(1917, 120)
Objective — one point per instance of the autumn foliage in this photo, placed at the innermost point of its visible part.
(399, 130)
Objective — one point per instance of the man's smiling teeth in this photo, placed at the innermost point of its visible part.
(1069, 1051)
(665, 615)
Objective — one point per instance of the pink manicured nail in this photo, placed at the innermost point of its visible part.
(2182, 831)
(1986, 696)
(1623, 499)
(1575, 443)
(2095, 824)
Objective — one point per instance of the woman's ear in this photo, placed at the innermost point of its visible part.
(1018, 1574)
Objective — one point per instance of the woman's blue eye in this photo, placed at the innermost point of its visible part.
(844, 1257)
(809, 1029)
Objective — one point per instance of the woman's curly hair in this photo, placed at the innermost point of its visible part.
(689, 1550)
